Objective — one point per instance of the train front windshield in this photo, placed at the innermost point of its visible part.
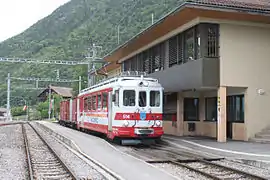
(141, 98)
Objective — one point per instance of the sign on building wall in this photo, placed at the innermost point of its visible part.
(218, 108)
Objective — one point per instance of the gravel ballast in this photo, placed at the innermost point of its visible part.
(13, 164)
(250, 169)
(181, 173)
(81, 169)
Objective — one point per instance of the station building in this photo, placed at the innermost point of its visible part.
(213, 60)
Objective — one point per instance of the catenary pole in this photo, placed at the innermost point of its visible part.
(8, 98)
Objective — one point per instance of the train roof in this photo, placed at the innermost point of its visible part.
(124, 79)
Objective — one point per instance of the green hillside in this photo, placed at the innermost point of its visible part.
(70, 30)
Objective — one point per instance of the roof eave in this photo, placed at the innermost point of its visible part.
(180, 7)
(255, 11)
(192, 4)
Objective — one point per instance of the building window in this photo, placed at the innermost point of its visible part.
(154, 98)
(180, 49)
(146, 61)
(235, 108)
(191, 109)
(189, 45)
(211, 109)
(129, 97)
(172, 51)
(142, 98)
(212, 41)
(198, 43)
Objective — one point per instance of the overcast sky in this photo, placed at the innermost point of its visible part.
(17, 15)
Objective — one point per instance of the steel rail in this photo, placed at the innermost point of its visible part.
(71, 173)
(253, 176)
(207, 161)
(78, 150)
(29, 163)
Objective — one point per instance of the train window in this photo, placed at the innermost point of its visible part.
(116, 103)
(154, 98)
(142, 98)
(85, 103)
(104, 100)
(94, 102)
(99, 101)
(89, 102)
(129, 98)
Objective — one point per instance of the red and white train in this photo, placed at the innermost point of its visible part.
(126, 108)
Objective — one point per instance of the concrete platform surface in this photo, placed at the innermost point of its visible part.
(230, 149)
(124, 165)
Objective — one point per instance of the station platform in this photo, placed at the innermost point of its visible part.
(126, 166)
(246, 151)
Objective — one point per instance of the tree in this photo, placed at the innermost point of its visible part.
(43, 108)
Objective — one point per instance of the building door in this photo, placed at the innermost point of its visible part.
(229, 129)
(235, 112)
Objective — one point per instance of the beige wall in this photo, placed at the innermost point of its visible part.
(204, 128)
(245, 62)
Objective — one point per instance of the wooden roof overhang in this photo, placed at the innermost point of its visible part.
(107, 68)
(179, 17)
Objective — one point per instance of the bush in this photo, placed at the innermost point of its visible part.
(18, 111)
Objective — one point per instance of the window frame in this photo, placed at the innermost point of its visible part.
(233, 113)
(85, 103)
(106, 100)
(94, 99)
(99, 102)
(123, 99)
(117, 98)
(205, 104)
(159, 93)
(197, 110)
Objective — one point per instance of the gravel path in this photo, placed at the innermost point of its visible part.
(12, 153)
(246, 168)
(181, 173)
(82, 169)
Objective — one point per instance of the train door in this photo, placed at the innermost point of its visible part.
(110, 111)
(78, 110)
(70, 110)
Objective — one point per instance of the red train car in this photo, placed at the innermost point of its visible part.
(127, 108)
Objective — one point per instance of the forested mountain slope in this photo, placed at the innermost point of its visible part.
(71, 29)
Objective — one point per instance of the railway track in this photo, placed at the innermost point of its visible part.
(217, 171)
(43, 162)
(205, 166)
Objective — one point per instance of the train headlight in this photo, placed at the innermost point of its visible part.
(126, 123)
(158, 123)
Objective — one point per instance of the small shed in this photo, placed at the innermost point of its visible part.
(65, 92)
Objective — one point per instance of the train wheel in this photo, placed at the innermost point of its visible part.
(158, 140)
(117, 141)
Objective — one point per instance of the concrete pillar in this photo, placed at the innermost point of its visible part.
(222, 119)
(180, 114)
